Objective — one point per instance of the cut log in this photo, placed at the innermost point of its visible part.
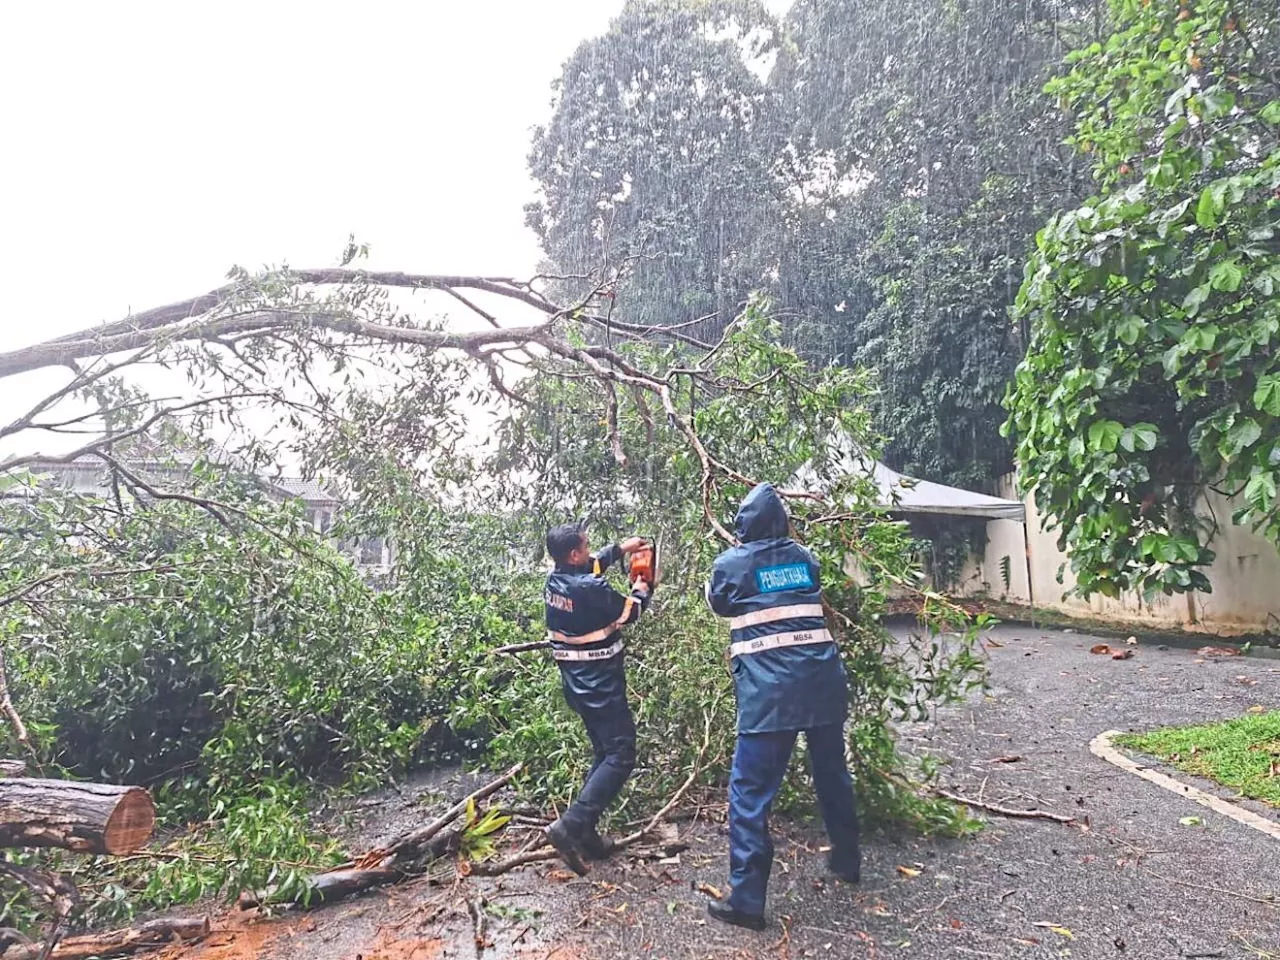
(13, 768)
(155, 933)
(81, 817)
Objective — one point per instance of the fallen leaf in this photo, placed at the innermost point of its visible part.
(561, 875)
(1256, 708)
(1059, 930)
(1218, 652)
(1100, 648)
(1027, 941)
(708, 889)
(909, 871)
(1012, 758)
(1122, 655)
(1191, 822)
(956, 924)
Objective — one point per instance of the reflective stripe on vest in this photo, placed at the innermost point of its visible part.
(604, 654)
(604, 633)
(774, 614)
(797, 638)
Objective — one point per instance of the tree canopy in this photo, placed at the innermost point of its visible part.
(873, 167)
(1155, 305)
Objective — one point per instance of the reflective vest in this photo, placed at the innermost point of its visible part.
(584, 616)
(787, 670)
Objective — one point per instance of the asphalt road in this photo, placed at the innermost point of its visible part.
(1136, 883)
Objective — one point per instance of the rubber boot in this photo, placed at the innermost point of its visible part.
(727, 914)
(594, 846)
(567, 845)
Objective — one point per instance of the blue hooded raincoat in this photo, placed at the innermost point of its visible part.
(786, 668)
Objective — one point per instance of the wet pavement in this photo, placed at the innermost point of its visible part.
(1128, 879)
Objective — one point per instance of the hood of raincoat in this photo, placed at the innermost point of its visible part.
(762, 515)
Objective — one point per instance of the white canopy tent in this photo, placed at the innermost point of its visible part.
(902, 494)
(908, 495)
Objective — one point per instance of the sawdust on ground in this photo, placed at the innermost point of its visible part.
(234, 937)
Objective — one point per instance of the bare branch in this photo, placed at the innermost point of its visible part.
(6, 705)
(80, 381)
(19, 462)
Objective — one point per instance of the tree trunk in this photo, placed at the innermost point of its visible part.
(324, 888)
(13, 768)
(155, 933)
(81, 817)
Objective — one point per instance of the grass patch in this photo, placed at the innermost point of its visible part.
(1243, 754)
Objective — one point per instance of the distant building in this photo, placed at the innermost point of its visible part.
(169, 467)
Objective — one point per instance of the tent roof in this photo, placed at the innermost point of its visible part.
(908, 495)
(903, 494)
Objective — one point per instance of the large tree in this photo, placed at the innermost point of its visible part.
(928, 156)
(881, 180)
(1155, 306)
(659, 152)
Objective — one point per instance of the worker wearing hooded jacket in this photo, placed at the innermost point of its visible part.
(585, 616)
(789, 677)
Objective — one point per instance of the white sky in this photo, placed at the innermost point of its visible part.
(150, 146)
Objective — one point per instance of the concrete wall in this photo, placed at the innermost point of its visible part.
(1245, 578)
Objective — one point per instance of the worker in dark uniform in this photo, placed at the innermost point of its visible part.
(788, 677)
(584, 619)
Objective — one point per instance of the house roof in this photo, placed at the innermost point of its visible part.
(313, 491)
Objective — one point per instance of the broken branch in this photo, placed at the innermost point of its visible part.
(1005, 811)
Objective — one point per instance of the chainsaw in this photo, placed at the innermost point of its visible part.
(643, 564)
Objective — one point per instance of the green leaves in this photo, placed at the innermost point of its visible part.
(1129, 329)
(1266, 396)
(1243, 434)
(1226, 276)
(1105, 435)
(1140, 437)
(1210, 207)
(1149, 373)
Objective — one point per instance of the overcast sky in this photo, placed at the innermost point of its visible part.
(150, 146)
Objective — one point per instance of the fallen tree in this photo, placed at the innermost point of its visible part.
(642, 427)
(407, 854)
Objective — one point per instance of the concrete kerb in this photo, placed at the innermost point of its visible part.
(1102, 747)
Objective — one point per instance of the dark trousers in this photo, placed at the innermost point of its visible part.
(759, 764)
(613, 743)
